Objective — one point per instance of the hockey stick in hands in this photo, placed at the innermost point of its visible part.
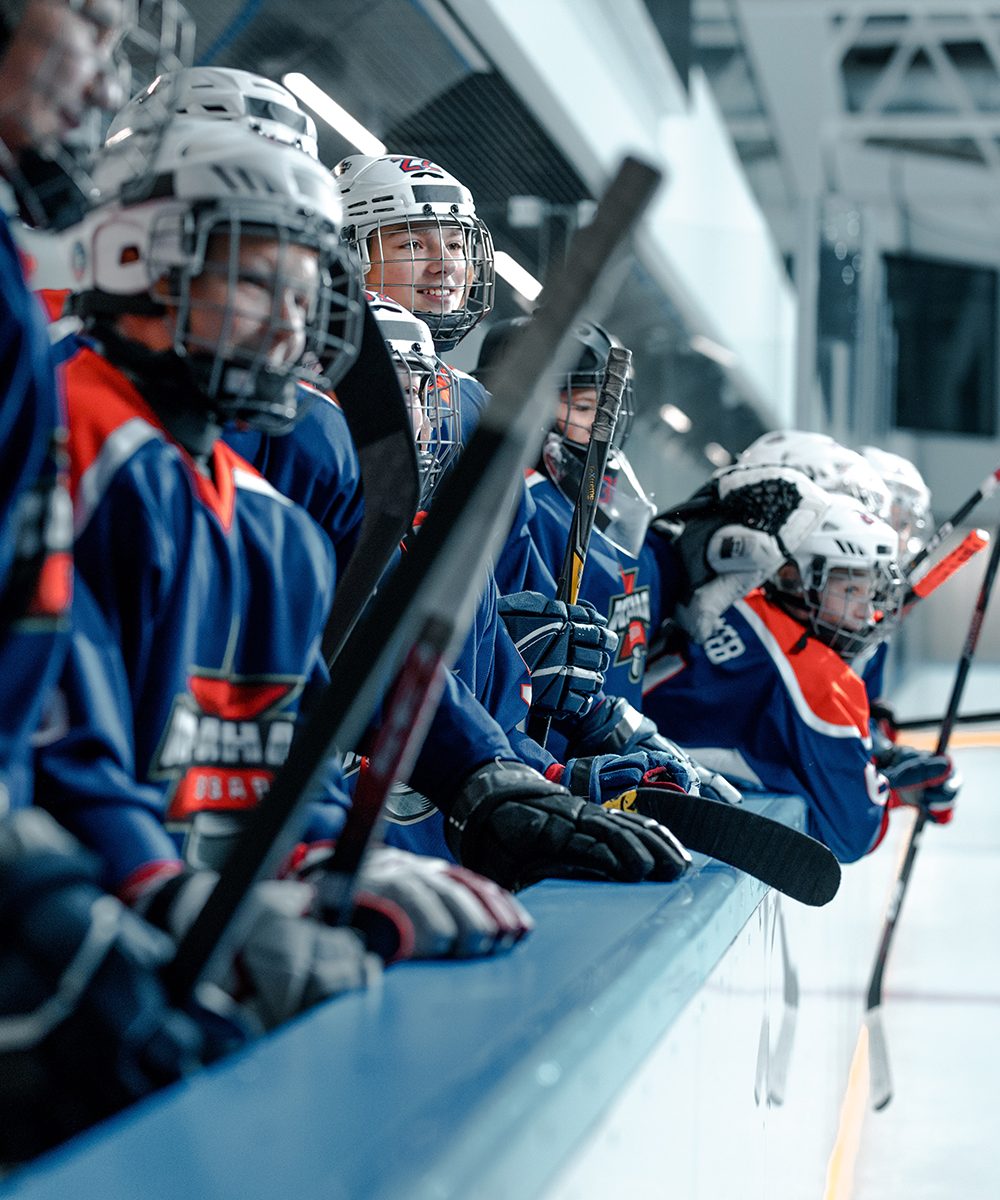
(974, 541)
(588, 498)
(880, 1078)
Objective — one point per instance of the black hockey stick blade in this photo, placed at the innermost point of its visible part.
(786, 859)
(437, 578)
(372, 402)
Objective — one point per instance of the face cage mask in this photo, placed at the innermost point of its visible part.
(236, 377)
(447, 328)
(910, 523)
(828, 618)
(431, 393)
(51, 177)
(623, 510)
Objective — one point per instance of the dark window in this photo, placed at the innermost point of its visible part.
(944, 321)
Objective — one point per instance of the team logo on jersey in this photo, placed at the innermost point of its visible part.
(629, 616)
(226, 737)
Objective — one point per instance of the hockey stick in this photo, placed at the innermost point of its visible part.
(974, 541)
(429, 598)
(581, 526)
(880, 1078)
(784, 858)
(379, 423)
(983, 492)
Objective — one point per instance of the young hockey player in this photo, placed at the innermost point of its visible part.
(770, 697)
(85, 1026)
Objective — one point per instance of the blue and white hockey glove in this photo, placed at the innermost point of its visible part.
(601, 777)
(567, 649)
(514, 825)
(615, 727)
(925, 780)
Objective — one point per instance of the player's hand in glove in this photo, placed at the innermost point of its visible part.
(286, 960)
(925, 780)
(734, 533)
(86, 1027)
(567, 649)
(414, 906)
(511, 823)
(615, 727)
(600, 777)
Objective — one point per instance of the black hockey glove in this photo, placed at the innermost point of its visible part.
(510, 823)
(85, 1024)
(734, 533)
(567, 649)
(922, 779)
(615, 727)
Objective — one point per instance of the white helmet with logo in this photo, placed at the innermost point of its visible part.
(408, 196)
(843, 581)
(165, 194)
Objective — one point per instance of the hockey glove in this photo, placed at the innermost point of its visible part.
(412, 906)
(567, 649)
(286, 961)
(85, 1024)
(734, 533)
(615, 727)
(511, 823)
(604, 776)
(927, 781)
(883, 720)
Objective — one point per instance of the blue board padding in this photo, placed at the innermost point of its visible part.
(451, 1080)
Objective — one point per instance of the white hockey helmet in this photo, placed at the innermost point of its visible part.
(843, 581)
(910, 497)
(429, 388)
(220, 94)
(833, 466)
(166, 196)
(395, 193)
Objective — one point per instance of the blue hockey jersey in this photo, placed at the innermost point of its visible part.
(191, 665)
(772, 708)
(35, 527)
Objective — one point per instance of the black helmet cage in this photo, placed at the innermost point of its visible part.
(237, 379)
(447, 328)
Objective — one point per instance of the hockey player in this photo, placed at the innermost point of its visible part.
(770, 697)
(909, 498)
(55, 60)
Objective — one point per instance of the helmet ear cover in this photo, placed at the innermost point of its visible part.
(151, 235)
